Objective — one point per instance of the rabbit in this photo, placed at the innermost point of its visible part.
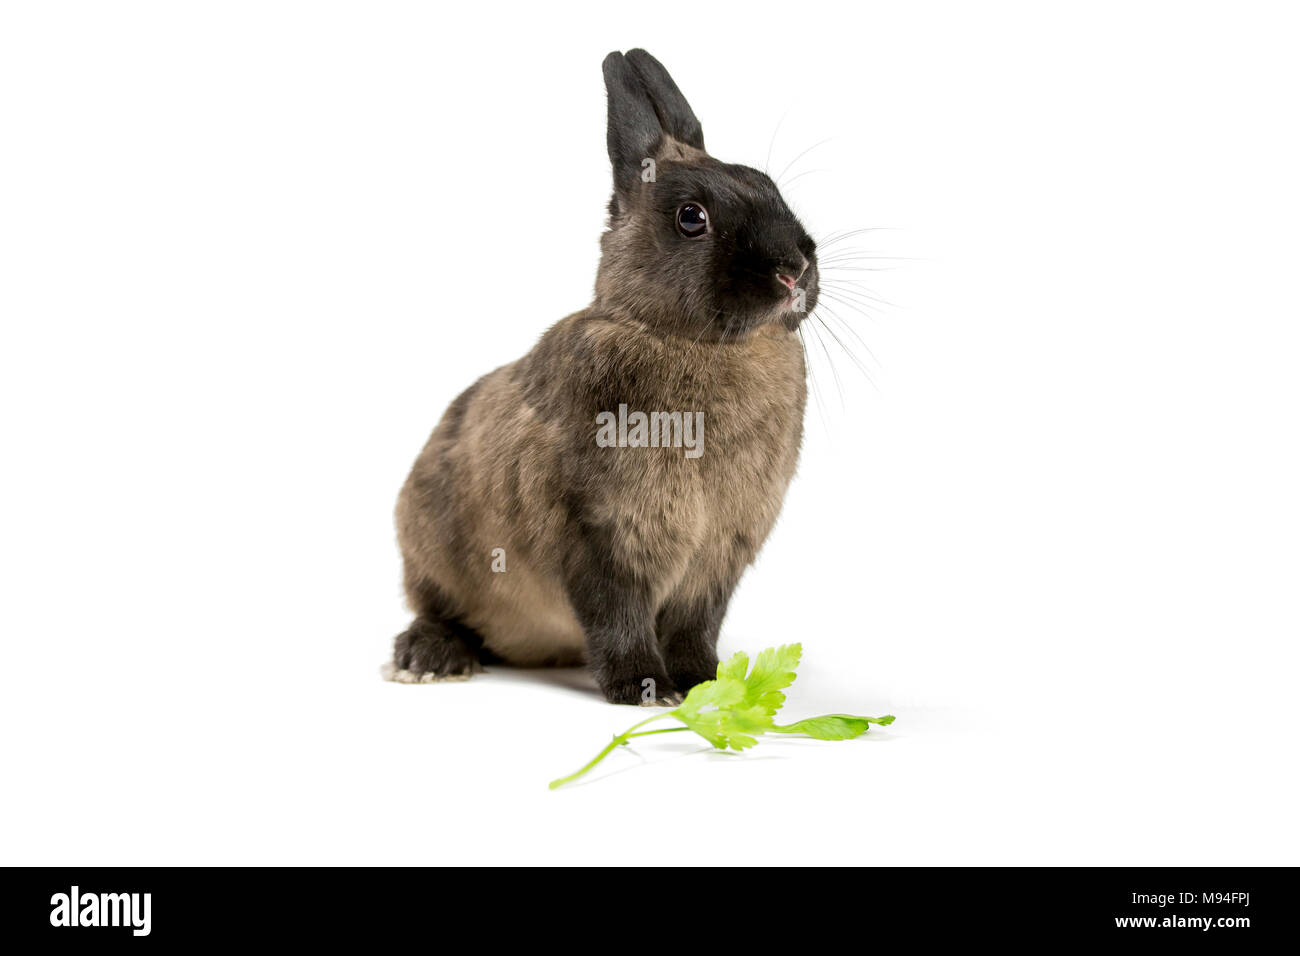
(529, 541)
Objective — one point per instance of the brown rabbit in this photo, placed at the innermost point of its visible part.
(599, 498)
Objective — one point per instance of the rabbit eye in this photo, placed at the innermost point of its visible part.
(692, 220)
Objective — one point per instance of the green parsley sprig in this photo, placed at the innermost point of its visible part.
(737, 707)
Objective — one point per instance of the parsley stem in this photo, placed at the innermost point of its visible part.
(618, 741)
(628, 732)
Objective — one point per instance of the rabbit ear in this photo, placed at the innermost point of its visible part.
(675, 114)
(634, 132)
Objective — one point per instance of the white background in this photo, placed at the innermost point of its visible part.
(248, 253)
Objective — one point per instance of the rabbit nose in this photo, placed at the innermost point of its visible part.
(788, 273)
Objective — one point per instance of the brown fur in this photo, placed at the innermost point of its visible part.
(494, 474)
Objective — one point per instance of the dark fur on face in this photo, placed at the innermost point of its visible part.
(625, 557)
(722, 284)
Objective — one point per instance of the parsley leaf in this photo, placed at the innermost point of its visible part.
(833, 726)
